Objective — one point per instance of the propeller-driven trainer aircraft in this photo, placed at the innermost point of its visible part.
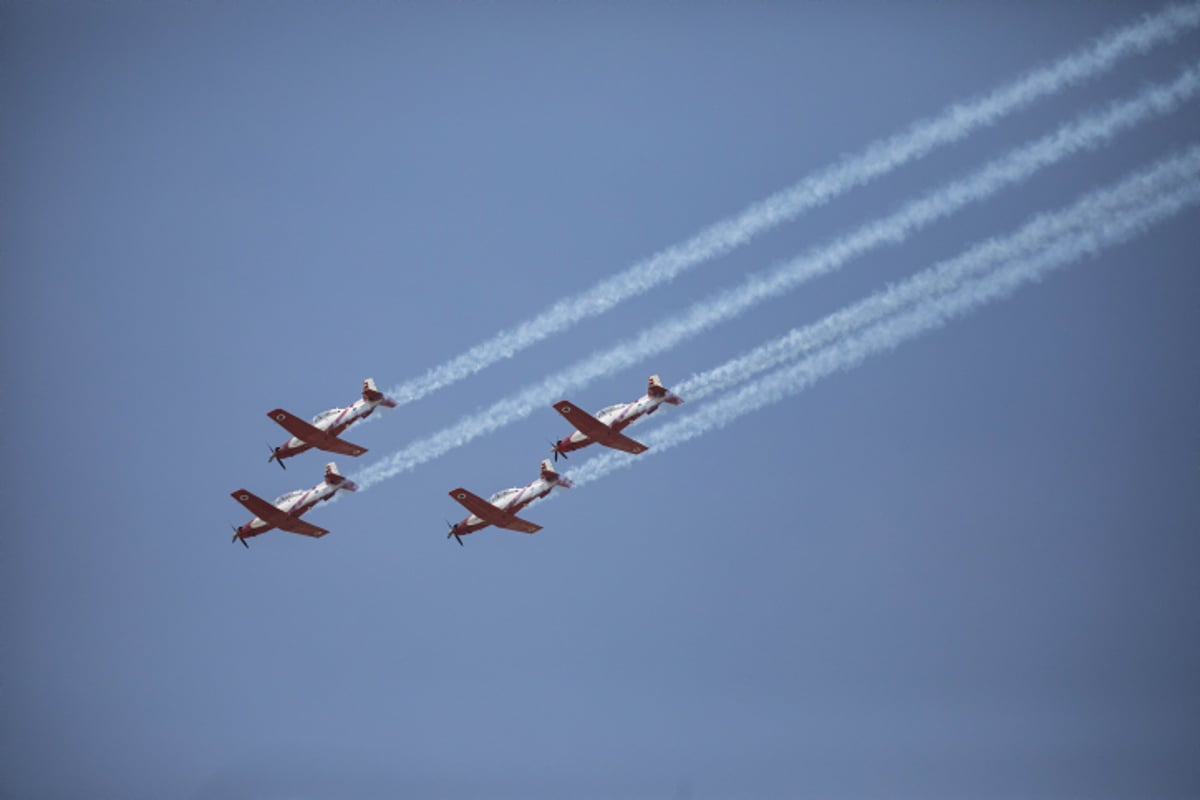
(605, 428)
(322, 432)
(501, 508)
(285, 512)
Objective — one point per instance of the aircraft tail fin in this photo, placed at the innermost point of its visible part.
(550, 475)
(658, 390)
(372, 394)
(335, 478)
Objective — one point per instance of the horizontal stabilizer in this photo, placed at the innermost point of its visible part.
(550, 475)
(372, 394)
(335, 478)
(658, 390)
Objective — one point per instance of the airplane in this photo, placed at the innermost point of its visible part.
(322, 432)
(501, 508)
(285, 512)
(605, 428)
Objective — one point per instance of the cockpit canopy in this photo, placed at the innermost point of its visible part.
(610, 410)
(502, 495)
(284, 498)
(324, 415)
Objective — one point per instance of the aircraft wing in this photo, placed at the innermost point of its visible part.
(303, 528)
(273, 516)
(490, 513)
(596, 430)
(259, 507)
(311, 434)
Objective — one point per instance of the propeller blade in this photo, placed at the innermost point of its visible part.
(460, 544)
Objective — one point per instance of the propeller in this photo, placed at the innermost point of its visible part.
(452, 533)
(554, 449)
(275, 456)
(237, 536)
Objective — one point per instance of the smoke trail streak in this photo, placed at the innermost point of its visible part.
(1018, 165)
(879, 158)
(888, 334)
(1095, 208)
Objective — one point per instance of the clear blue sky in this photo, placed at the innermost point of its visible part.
(965, 569)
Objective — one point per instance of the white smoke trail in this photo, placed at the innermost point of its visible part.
(1018, 165)
(817, 189)
(1094, 208)
(891, 332)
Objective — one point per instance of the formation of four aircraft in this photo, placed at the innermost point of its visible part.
(500, 510)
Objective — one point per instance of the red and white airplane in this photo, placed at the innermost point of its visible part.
(285, 512)
(501, 508)
(322, 432)
(605, 428)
